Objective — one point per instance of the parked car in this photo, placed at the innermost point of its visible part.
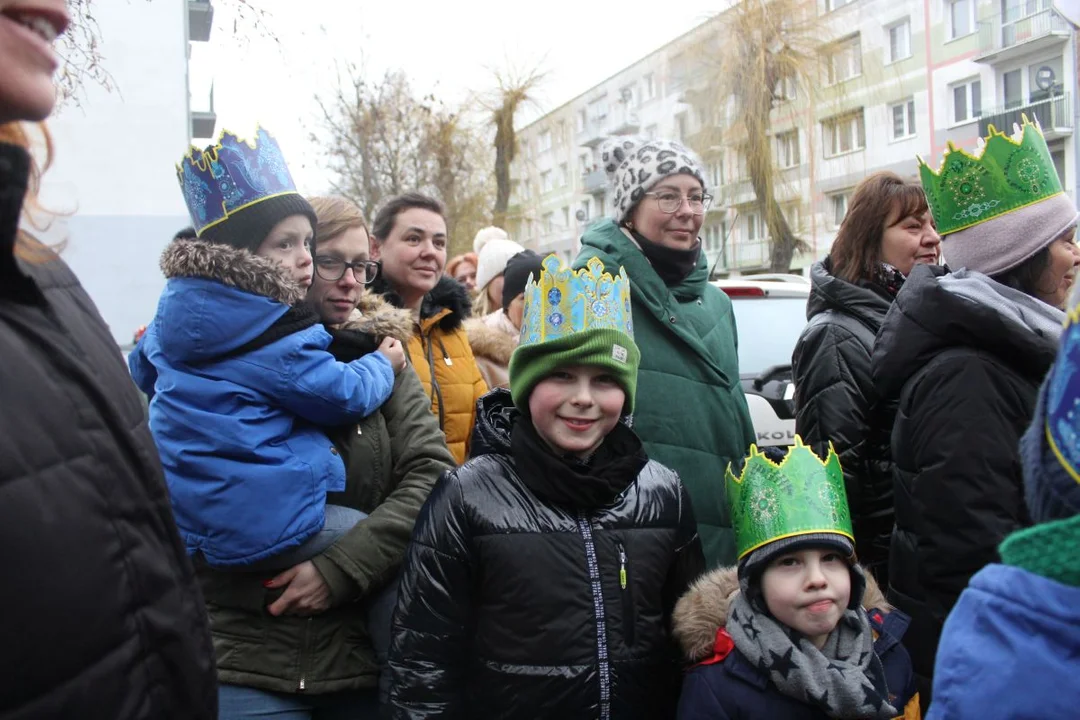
(770, 311)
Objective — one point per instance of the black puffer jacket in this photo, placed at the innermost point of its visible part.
(514, 607)
(835, 401)
(966, 378)
(101, 617)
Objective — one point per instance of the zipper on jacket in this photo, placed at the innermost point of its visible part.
(445, 355)
(602, 655)
(436, 391)
(302, 684)
(627, 595)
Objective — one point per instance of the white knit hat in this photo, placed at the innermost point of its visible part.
(634, 166)
(492, 259)
(484, 235)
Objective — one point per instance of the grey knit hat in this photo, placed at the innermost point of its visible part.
(634, 165)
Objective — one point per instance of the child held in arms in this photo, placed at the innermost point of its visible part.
(797, 630)
(542, 574)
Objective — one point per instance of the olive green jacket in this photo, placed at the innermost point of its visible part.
(392, 460)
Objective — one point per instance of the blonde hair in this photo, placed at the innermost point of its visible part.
(27, 247)
(335, 215)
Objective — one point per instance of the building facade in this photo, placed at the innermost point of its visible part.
(899, 78)
(112, 188)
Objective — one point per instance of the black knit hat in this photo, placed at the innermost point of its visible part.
(754, 564)
(516, 275)
(247, 228)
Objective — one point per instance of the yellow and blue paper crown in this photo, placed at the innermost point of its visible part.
(563, 301)
(230, 175)
(1003, 175)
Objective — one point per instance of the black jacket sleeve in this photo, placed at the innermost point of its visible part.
(689, 557)
(966, 419)
(432, 621)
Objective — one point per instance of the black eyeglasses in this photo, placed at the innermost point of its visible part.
(332, 269)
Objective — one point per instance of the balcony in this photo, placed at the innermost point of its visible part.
(751, 254)
(594, 182)
(200, 19)
(204, 121)
(625, 123)
(1002, 41)
(594, 132)
(1054, 114)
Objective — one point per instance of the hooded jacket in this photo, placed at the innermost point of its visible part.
(440, 354)
(102, 617)
(835, 401)
(965, 377)
(728, 687)
(690, 410)
(493, 339)
(238, 381)
(392, 459)
(516, 607)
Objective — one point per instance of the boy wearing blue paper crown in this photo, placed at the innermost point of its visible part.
(797, 630)
(542, 574)
(238, 372)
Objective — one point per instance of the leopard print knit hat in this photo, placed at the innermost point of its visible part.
(634, 165)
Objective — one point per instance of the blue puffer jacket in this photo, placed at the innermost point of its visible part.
(240, 383)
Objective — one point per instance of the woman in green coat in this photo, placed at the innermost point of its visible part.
(299, 645)
(691, 413)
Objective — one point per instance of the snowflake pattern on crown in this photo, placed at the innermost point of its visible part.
(798, 496)
(563, 301)
(1063, 393)
(1003, 174)
(231, 174)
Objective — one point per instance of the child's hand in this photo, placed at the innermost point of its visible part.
(394, 352)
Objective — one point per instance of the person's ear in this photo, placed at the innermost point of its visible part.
(374, 249)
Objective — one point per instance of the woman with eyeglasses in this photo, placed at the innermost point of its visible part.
(392, 459)
(408, 238)
(691, 413)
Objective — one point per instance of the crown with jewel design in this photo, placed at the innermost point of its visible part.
(1003, 175)
(563, 301)
(800, 495)
(230, 175)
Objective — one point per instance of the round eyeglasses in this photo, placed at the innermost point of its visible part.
(670, 202)
(332, 269)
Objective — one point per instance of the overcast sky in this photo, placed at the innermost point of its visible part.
(445, 47)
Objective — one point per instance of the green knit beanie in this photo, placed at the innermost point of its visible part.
(607, 348)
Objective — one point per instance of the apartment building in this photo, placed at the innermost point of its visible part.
(899, 78)
(112, 184)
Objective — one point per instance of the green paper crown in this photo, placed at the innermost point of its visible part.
(1004, 174)
(801, 495)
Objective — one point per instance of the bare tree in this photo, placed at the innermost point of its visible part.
(514, 90)
(759, 52)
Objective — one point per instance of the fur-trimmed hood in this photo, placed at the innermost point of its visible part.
(490, 343)
(704, 609)
(376, 317)
(229, 266)
(448, 294)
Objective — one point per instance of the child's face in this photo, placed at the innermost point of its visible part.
(808, 590)
(575, 408)
(289, 244)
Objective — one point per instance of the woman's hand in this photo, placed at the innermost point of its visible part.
(306, 593)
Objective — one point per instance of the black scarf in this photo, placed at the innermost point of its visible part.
(671, 264)
(569, 481)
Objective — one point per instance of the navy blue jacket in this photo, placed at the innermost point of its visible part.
(240, 385)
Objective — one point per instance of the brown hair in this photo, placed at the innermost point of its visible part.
(28, 248)
(856, 251)
(469, 257)
(335, 215)
(387, 215)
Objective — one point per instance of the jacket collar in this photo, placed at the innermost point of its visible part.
(490, 342)
(447, 305)
(376, 317)
(231, 267)
(828, 292)
(619, 246)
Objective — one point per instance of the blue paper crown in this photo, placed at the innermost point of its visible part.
(563, 301)
(230, 175)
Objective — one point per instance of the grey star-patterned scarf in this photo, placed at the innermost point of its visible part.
(845, 678)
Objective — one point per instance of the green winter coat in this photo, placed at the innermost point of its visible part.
(690, 411)
(392, 460)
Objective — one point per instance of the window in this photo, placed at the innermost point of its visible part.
(844, 61)
(680, 126)
(651, 131)
(648, 87)
(564, 175)
(787, 149)
(566, 217)
(1013, 90)
(903, 119)
(545, 181)
(545, 141)
(549, 223)
(754, 229)
(597, 110)
(581, 118)
(585, 163)
(831, 5)
(716, 173)
(844, 134)
(961, 17)
(900, 40)
(560, 134)
(585, 210)
(785, 89)
(967, 101)
(838, 205)
(626, 95)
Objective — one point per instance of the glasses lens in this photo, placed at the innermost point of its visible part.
(371, 271)
(329, 268)
(668, 203)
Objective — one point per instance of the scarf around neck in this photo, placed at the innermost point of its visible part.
(845, 678)
(569, 481)
(671, 264)
(1015, 306)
